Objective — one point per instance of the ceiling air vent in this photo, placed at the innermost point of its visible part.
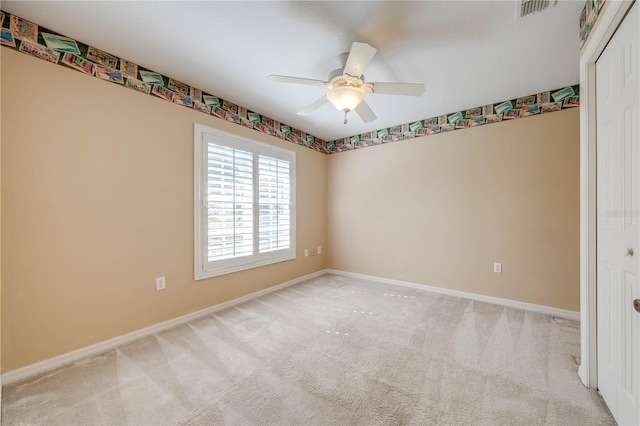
(528, 7)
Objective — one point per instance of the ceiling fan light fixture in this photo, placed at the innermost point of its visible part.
(345, 99)
(346, 86)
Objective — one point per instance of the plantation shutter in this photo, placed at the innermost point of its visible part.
(274, 204)
(229, 202)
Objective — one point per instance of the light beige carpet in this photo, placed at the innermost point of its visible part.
(332, 350)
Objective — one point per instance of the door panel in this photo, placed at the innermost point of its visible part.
(630, 170)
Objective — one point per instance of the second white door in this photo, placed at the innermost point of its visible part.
(618, 253)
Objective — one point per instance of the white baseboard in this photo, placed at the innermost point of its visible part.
(556, 312)
(60, 360)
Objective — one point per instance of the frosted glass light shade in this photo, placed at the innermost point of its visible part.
(345, 98)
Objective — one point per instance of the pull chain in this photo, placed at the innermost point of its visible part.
(345, 116)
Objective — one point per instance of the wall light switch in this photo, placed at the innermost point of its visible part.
(306, 252)
(160, 283)
(497, 268)
(319, 250)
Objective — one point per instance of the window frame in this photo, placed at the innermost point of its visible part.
(203, 268)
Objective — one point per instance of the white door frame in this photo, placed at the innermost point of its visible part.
(609, 19)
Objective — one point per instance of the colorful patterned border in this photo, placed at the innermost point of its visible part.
(545, 102)
(588, 18)
(31, 39)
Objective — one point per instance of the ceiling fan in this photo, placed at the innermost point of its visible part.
(347, 86)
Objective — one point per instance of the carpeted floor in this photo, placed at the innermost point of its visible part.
(332, 350)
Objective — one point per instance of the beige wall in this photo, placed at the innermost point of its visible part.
(97, 187)
(441, 210)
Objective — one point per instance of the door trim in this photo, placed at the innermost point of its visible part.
(608, 21)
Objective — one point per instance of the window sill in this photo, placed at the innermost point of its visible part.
(201, 275)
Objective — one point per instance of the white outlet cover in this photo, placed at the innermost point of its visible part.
(319, 250)
(306, 252)
(160, 283)
(497, 268)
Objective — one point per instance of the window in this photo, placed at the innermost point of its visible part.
(244, 203)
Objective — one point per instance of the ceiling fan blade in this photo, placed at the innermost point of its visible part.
(365, 112)
(405, 89)
(359, 57)
(315, 105)
(296, 80)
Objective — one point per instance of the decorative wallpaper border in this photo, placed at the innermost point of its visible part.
(540, 103)
(588, 18)
(32, 39)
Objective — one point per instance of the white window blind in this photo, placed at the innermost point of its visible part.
(244, 203)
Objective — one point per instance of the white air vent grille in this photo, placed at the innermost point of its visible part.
(527, 7)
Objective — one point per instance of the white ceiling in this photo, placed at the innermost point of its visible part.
(467, 53)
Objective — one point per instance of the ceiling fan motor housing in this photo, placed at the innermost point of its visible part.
(339, 72)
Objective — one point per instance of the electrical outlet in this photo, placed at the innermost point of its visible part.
(161, 284)
(306, 252)
(497, 268)
(313, 252)
(319, 250)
